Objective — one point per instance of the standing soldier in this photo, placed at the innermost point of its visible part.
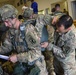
(57, 9)
(48, 19)
(64, 47)
(42, 21)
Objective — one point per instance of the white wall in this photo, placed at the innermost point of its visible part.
(73, 4)
(70, 7)
(43, 4)
(63, 5)
(19, 8)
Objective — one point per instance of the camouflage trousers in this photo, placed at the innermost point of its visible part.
(49, 62)
(57, 67)
(25, 69)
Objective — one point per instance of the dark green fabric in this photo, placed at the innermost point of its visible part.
(35, 71)
(1, 71)
(20, 69)
(25, 69)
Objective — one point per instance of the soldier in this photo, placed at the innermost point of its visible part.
(63, 47)
(48, 54)
(25, 40)
(41, 25)
(46, 20)
(57, 9)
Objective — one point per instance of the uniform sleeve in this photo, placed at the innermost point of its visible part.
(29, 56)
(68, 48)
(6, 45)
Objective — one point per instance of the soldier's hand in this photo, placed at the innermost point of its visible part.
(44, 45)
(13, 58)
(55, 19)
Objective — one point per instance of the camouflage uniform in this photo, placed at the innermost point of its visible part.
(23, 56)
(41, 25)
(41, 21)
(74, 31)
(48, 54)
(47, 20)
(31, 55)
(64, 53)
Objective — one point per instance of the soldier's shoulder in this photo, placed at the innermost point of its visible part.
(70, 35)
(27, 22)
(57, 12)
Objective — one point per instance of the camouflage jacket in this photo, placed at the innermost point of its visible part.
(64, 49)
(14, 41)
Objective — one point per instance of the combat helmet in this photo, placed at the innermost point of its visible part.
(8, 11)
(27, 12)
(47, 19)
